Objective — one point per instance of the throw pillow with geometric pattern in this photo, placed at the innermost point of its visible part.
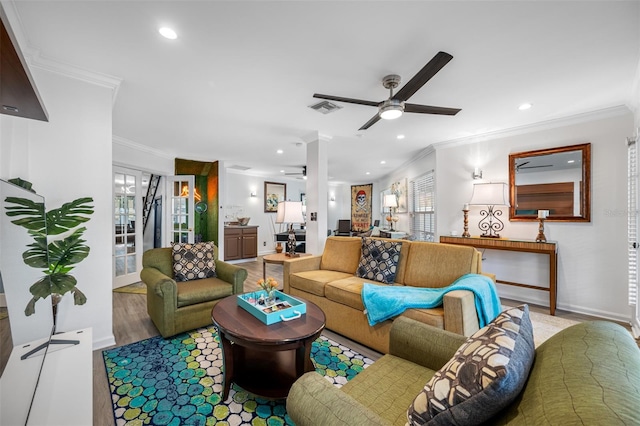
(486, 373)
(193, 261)
(379, 260)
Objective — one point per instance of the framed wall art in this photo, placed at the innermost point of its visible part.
(274, 193)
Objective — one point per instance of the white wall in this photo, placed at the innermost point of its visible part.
(411, 170)
(238, 201)
(592, 257)
(67, 158)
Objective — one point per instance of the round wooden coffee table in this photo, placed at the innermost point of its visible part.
(265, 359)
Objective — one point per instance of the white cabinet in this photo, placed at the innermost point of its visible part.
(64, 395)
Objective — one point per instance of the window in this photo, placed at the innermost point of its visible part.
(422, 196)
(632, 231)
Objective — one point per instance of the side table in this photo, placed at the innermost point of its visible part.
(277, 258)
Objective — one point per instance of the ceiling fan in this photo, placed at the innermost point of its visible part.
(302, 174)
(395, 105)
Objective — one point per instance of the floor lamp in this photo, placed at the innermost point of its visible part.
(490, 195)
(290, 212)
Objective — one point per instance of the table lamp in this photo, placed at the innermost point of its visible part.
(490, 194)
(390, 201)
(290, 212)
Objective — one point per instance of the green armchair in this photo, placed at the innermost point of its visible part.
(587, 374)
(178, 307)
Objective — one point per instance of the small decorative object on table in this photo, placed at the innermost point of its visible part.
(542, 215)
(270, 285)
(465, 211)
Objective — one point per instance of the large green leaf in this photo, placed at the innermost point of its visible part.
(69, 216)
(36, 256)
(33, 214)
(68, 251)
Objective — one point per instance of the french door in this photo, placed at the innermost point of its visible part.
(127, 226)
(632, 232)
(179, 209)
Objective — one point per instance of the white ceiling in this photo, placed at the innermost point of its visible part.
(237, 83)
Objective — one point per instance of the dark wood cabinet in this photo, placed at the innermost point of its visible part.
(240, 242)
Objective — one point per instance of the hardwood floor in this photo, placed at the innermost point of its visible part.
(131, 324)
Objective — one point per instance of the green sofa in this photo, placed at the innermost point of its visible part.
(178, 307)
(587, 374)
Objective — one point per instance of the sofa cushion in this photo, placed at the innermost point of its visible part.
(486, 373)
(193, 261)
(346, 291)
(437, 265)
(314, 282)
(341, 254)
(379, 260)
(198, 291)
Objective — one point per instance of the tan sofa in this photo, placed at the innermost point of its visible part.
(329, 280)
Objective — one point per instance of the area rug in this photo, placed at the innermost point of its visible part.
(545, 326)
(179, 381)
(135, 288)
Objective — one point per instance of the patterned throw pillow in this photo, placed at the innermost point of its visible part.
(193, 261)
(486, 373)
(379, 260)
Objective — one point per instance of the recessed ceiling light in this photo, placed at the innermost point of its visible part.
(383, 162)
(525, 106)
(279, 151)
(281, 171)
(167, 32)
(400, 136)
(367, 173)
(571, 161)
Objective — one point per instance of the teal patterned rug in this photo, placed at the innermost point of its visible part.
(178, 381)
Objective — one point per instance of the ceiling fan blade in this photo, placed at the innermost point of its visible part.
(425, 74)
(348, 100)
(427, 109)
(370, 123)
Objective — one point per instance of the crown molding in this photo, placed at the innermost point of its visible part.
(117, 140)
(36, 60)
(600, 114)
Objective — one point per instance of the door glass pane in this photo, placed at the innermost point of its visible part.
(125, 223)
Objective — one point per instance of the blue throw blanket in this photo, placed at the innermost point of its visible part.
(382, 302)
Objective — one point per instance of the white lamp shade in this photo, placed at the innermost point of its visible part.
(490, 194)
(289, 212)
(390, 200)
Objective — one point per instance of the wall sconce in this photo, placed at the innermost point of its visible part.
(477, 173)
(253, 194)
(332, 198)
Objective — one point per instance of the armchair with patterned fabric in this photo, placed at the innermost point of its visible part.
(177, 306)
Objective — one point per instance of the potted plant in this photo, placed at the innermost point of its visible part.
(58, 246)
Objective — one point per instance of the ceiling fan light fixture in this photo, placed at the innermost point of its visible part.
(391, 109)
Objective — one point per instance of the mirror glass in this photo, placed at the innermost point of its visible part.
(556, 179)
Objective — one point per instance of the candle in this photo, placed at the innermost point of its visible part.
(542, 214)
(466, 206)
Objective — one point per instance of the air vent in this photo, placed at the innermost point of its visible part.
(325, 107)
(237, 167)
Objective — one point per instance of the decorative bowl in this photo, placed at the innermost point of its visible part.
(243, 221)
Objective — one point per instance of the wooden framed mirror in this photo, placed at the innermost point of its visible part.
(556, 179)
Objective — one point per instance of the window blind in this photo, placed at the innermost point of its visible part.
(423, 207)
(632, 214)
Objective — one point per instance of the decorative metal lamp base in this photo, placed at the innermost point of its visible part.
(291, 243)
(490, 223)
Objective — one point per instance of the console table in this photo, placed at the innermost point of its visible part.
(550, 248)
